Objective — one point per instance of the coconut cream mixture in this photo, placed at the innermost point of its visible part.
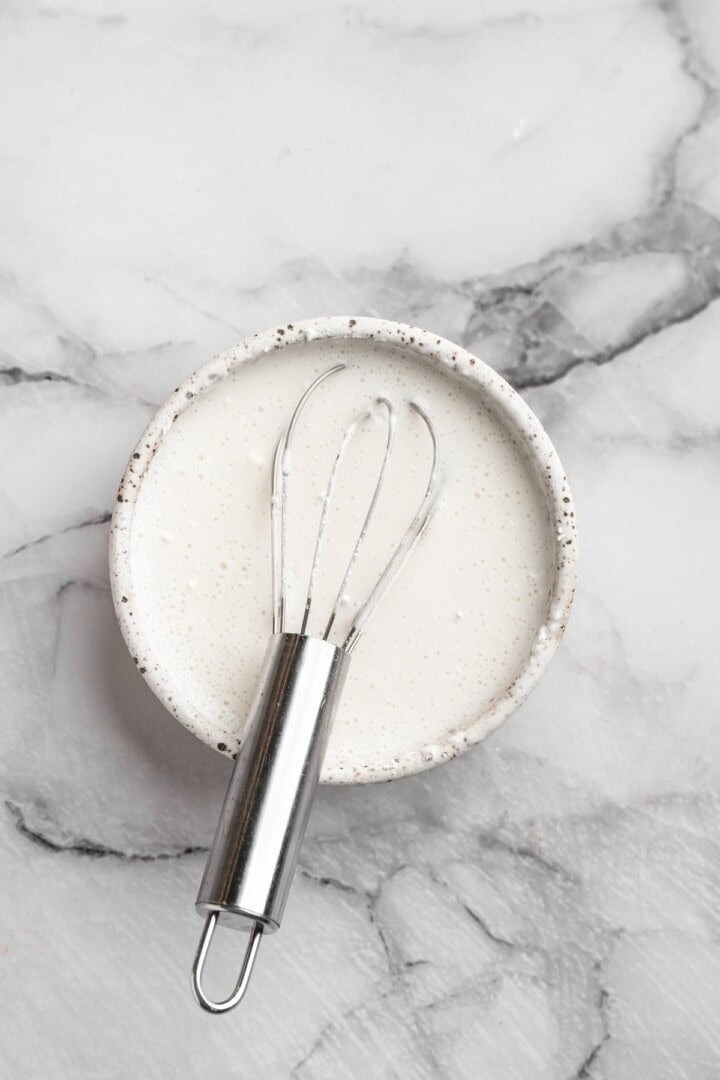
(458, 625)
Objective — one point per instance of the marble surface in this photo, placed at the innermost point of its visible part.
(538, 180)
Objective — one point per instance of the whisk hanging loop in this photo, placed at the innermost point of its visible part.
(245, 970)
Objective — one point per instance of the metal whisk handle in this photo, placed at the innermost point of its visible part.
(263, 820)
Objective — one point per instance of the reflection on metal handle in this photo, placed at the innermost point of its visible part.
(262, 823)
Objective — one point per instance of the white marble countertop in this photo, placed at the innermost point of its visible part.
(540, 181)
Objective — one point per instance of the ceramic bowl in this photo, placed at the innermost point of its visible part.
(510, 409)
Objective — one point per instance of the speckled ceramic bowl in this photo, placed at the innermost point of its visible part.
(510, 409)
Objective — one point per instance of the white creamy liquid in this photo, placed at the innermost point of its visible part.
(459, 623)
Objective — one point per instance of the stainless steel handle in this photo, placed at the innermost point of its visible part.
(263, 820)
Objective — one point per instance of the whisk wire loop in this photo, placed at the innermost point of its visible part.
(407, 544)
(350, 431)
(278, 503)
(368, 516)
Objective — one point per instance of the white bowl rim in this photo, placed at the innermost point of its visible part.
(505, 401)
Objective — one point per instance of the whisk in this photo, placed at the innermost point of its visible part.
(263, 820)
